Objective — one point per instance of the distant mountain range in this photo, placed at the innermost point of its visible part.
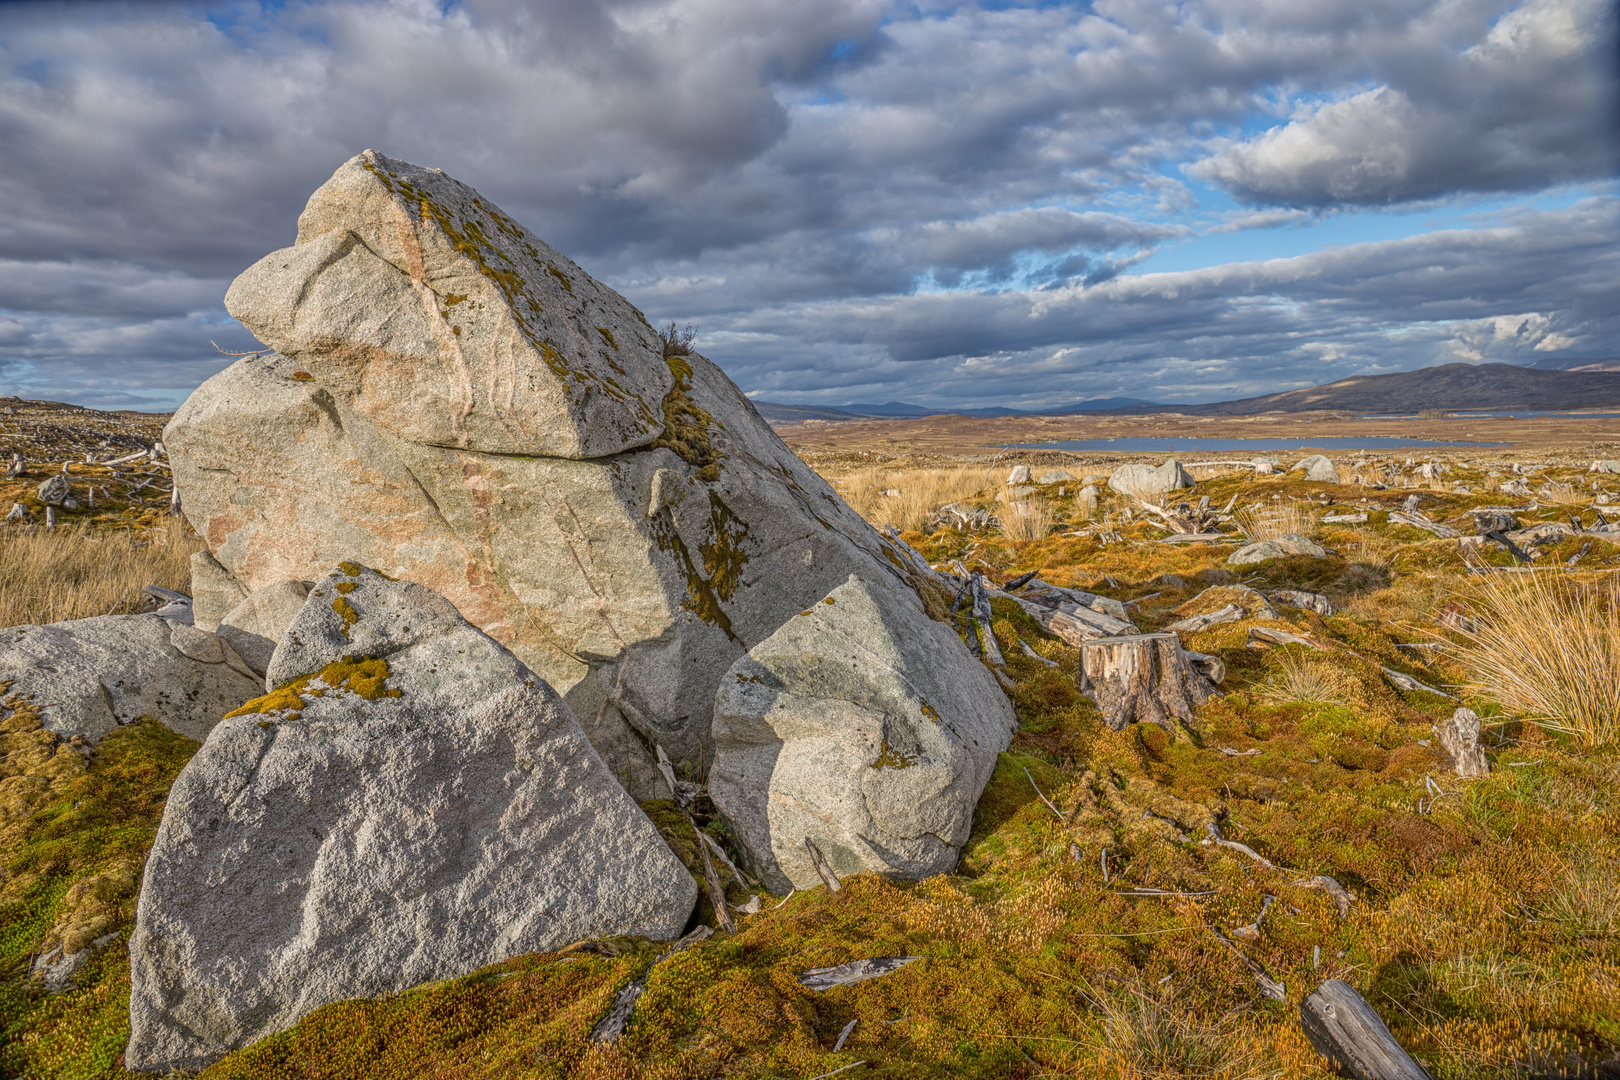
(1581, 383)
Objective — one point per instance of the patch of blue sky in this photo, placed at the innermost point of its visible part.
(1316, 232)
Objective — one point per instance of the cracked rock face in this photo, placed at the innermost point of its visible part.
(863, 725)
(456, 404)
(411, 804)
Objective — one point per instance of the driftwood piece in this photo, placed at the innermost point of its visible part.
(1406, 682)
(717, 891)
(983, 618)
(853, 972)
(1421, 521)
(1142, 677)
(1269, 987)
(1215, 837)
(1459, 738)
(823, 867)
(610, 1027)
(720, 853)
(19, 512)
(1252, 931)
(1194, 623)
(843, 1036)
(1344, 519)
(1341, 895)
(1344, 1028)
(1269, 635)
(1310, 601)
(1507, 541)
(1033, 655)
(1200, 538)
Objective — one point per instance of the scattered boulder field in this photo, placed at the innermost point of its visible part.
(531, 693)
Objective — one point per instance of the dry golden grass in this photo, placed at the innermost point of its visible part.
(1298, 680)
(1279, 519)
(1565, 495)
(48, 575)
(919, 492)
(1548, 649)
(1153, 1034)
(1025, 519)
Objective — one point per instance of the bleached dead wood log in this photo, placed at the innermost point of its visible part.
(1406, 682)
(1270, 635)
(983, 617)
(1200, 538)
(1459, 738)
(717, 892)
(1142, 678)
(1194, 623)
(853, 972)
(1344, 519)
(843, 1036)
(1344, 1028)
(1421, 521)
(1310, 601)
(19, 512)
(720, 853)
(823, 867)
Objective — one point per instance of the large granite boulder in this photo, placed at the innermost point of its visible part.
(87, 676)
(864, 726)
(1143, 481)
(410, 804)
(458, 404)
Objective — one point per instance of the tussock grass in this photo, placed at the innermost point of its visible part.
(1565, 495)
(1152, 1033)
(917, 493)
(1548, 649)
(1270, 522)
(1298, 680)
(48, 575)
(1025, 519)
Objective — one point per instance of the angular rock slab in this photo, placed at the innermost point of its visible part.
(450, 323)
(255, 625)
(629, 581)
(379, 824)
(863, 725)
(89, 675)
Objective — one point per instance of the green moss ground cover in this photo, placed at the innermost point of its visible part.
(1485, 925)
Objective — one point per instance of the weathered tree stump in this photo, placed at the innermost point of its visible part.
(1343, 1027)
(1459, 738)
(1142, 678)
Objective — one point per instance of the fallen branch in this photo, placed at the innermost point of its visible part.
(823, 867)
(1043, 798)
(1406, 682)
(1341, 896)
(1215, 837)
(1269, 987)
(610, 1027)
(853, 972)
(717, 892)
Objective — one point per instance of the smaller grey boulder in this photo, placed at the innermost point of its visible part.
(1287, 544)
(1318, 468)
(1086, 500)
(90, 675)
(55, 490)
(254, 626)
(1605, 467)
(863, 725)
(214, 591)
(1142, 481)
(1056, 476)
(1019, 475)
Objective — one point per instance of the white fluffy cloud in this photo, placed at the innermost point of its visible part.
(844, 193)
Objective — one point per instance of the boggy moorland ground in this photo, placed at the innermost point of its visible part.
(1485, 924)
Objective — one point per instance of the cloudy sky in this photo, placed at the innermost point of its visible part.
(949, 204)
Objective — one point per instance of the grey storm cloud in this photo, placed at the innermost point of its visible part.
(931, 201)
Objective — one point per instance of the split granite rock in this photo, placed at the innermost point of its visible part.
(863, 725)
(1142, 481)
(458, 404)
(413, 805)
(87, 676)
(214, 591)
(255, 625)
